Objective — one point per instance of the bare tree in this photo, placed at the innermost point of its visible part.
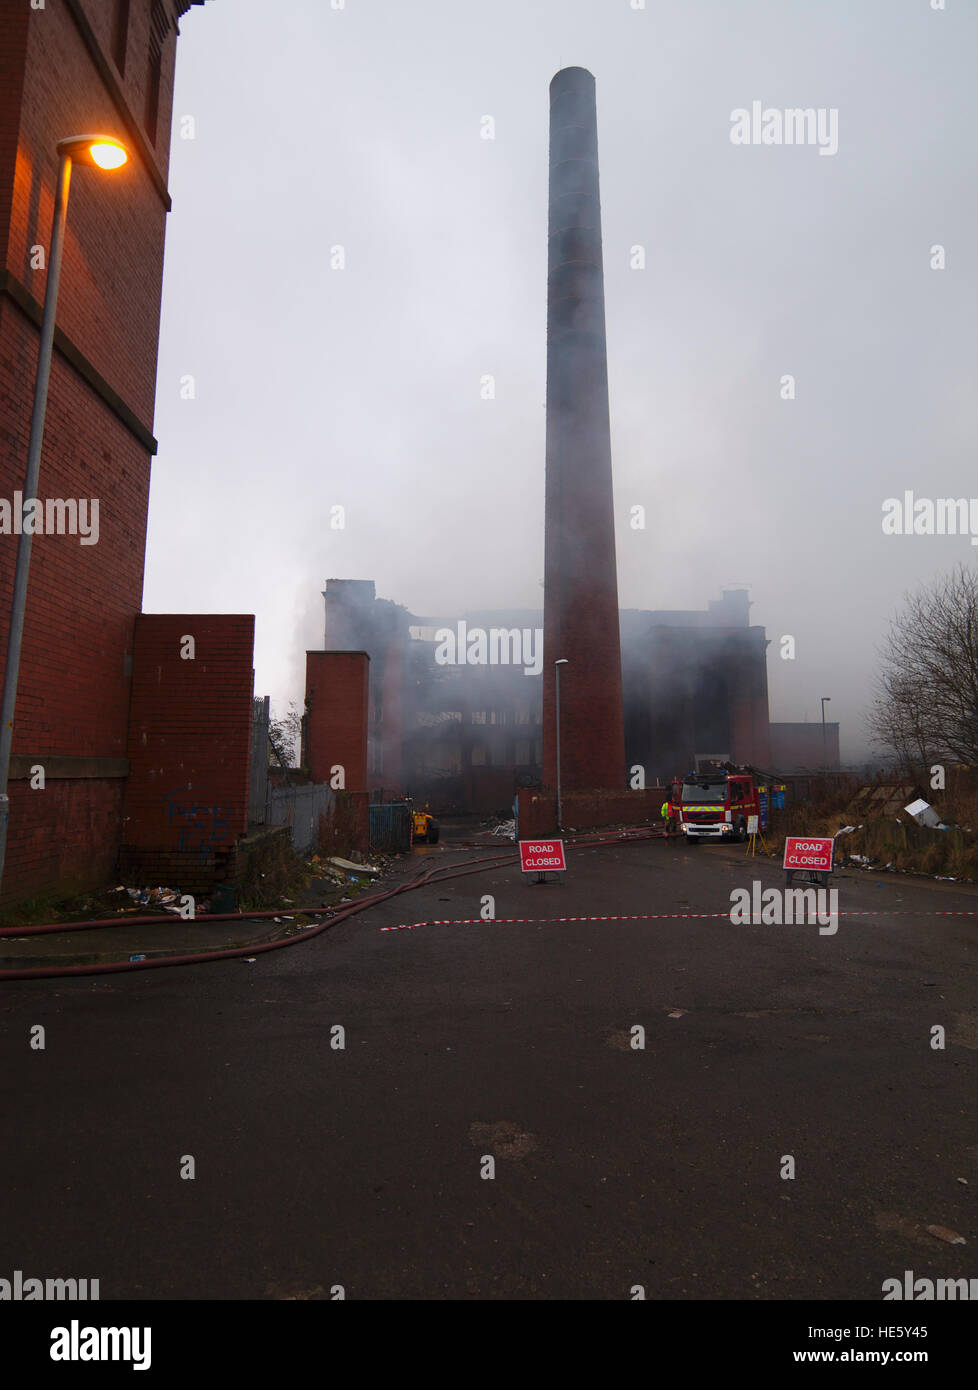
(926, 705)
(285, 736)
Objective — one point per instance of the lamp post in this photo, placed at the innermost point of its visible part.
(102, 152)
(826, 699)
(562, 661)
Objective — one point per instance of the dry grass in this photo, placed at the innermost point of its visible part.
(951, 853)
(338, 828)
(272, 871)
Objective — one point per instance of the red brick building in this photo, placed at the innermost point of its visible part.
(72, 67)
(337, 685)
(190, 720)
(695, 683)
(465, 735)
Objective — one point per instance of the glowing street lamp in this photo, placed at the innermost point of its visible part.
(97, 151)
(100, 152)
(107, 154)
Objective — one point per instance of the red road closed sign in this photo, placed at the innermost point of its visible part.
(812, 852)
(537, 855)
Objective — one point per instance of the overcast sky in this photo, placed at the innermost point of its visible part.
(361, 127)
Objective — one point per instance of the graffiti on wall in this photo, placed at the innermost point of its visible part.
(199, 826)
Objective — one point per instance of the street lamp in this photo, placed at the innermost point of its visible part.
(101, 152)
(826, 699)
(562, 661)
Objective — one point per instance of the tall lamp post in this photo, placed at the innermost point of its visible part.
(562, 661)
(101, 152)
(826, 699)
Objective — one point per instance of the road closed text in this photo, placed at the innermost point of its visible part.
(542, 854)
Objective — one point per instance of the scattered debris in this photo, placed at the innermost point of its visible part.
(355, 869)
(946, 1234)
(923, 813)
(154, 897)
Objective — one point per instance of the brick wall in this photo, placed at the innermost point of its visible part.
(111, 279)
(73, 693)
(14, 21)
(186, 801)
(586, 810)
(58, 77)
(62, 839)
(488, 789)
(73, 688)
(336, 718)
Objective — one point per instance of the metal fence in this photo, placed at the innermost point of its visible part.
(297, 806)
(301, 808)
(390, 828)
(258, 793)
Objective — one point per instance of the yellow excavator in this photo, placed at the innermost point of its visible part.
(425, 826)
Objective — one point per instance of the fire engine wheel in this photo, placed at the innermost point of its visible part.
(432, 836)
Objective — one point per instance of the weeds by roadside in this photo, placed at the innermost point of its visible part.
(891, 841)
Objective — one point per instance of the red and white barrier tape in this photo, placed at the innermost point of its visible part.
(652, 917)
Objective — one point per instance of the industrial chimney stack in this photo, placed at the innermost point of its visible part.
(580, 578)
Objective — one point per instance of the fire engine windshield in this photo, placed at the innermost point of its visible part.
(705, 793)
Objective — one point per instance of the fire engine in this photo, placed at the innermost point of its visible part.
(714, 802)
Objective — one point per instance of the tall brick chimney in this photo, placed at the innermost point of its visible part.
(580, 577)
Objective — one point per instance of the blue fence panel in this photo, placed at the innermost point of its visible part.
(390, 828)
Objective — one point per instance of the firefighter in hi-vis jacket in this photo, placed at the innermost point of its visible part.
(671, 818)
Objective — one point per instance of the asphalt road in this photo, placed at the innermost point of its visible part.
(615, 1166)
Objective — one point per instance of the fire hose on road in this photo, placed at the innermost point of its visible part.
(331, 917)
